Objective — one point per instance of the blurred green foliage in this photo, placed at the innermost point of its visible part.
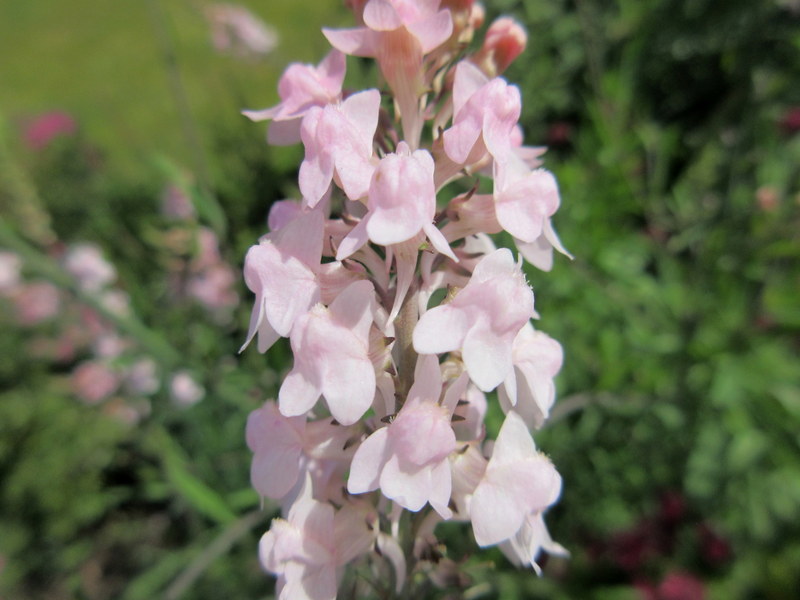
(677, 427)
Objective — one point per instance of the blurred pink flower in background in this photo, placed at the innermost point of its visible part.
(46, 127)
(235, 30)
(184, 390)
(93, 382)
(86, 263)
(36, 302)
(176, 204)
(10, 265)
(675, 586)
(142, 377)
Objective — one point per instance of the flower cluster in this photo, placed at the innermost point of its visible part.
(400, 311)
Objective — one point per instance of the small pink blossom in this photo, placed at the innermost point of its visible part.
(524, 199)
(10, 266)
(36, 302)
(307, 548)
(530, 390)
(141, 378)
(485, 113)
(184, 390)
(401, 203)
(518, 481)
(236, 30)
(331, 357)
(86, 263)
(407, 471)
(282, 272)
(94, 381)
(282, 445)
(338, 143)
(482, 320)
(300, 87)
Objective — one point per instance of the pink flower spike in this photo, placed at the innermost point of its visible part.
(338, 141)
(482, 320)
(331, 357)
(489, 113)
(301, 87)
(282, 272)
(518, 481)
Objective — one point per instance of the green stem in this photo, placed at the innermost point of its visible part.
(406, 356)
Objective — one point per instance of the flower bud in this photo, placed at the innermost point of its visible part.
(505, 41)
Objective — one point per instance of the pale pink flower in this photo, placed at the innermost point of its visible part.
(530, 389)
(300, 87)
(518, 481)
(176, 203)
(482, 320)
(338, 143)
(94, 381)
(401, 203)
(85, 262)
(282, 446)
(408, 459)
(110, 345)
(10, 266)
(439, 272)
(36, 302)
(141, 378)
(116, 301)
(307, 548)
(485, 113)
(184, 390)
(236, 30)
(214, 287)
(331, 357)
(282, 272)
(282, 213)
(523, 199)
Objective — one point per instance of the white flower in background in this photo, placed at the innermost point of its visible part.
(184, 390)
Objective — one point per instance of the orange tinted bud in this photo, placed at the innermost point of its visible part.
(505, 40)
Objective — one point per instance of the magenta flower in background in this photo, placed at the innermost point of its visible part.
(48, 126)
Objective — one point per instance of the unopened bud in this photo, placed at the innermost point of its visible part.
(505, 41)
